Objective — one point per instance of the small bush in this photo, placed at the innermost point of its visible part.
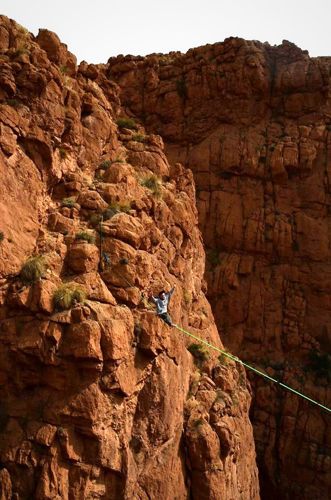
(33, 269)
(63, 153)
(64, 70)
(85, 236)
(14, 103)
(67, 296)
(2, 236)
(95, 219)
(199, 352)
(187, 296)
(68, 202)
(118, 159)
(104, 165)
(126, 123)
(223, 360)
(116, 208)
(198, 422)
(138, 138)
(154, 183)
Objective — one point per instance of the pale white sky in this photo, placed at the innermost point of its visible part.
(94, 30)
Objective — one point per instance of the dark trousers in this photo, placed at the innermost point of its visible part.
(166, 318)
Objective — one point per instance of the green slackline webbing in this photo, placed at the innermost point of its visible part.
(234, 358)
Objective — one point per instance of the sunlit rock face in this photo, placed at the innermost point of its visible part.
(98, 397)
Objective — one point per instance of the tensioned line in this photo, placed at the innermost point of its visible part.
(249, 367)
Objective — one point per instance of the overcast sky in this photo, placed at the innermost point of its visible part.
(94, 30)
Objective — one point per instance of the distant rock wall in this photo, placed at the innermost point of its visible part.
(98, 397)
(253, 122)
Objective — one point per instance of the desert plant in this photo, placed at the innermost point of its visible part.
(105, 164)
(199, 352)
(187, 296)
(2, 236)
(138, 137)
(223, 360)
(33, 269)
(95, 219)
(154, 184)
(115, 208)
(85, 236)
(63, 153)
(68, 295)
(68, 202)
(14, 103)
(198, 422)
(126, 123)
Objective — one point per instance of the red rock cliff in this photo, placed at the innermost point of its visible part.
(253, 122)
(98, 397)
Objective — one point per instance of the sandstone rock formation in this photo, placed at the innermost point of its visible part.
(253, 122)
(99, 398)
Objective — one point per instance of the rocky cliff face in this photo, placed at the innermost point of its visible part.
(98, 397)
(253, 122)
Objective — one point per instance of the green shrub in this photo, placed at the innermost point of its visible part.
(199, 352)
(127, 123)
(33, 269)
(187, 296)
(2, 236)
(95, 219)
(154, 183)
(105, 164)
(68, 295)
(198, 422)
(63, 153)
(223, 359)
(138, 138)
(85, 236)
(116, 208)
(68, 202)
(14, 103)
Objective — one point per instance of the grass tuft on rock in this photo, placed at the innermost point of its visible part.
(68, 202)
(199, 352)
(33, 269)
(154, 184)
(68, 295)
(126, 123)
(138, 138)
(116, 208)
(85, 236)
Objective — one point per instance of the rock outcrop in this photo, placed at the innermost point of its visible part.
(253, 122)
(98, 397)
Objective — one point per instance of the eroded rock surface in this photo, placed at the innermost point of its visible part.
(98, 397)
(253, 122)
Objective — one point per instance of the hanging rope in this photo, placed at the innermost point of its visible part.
(249, 367)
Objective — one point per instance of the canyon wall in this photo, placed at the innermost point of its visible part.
(98, 397)
(253, 122)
